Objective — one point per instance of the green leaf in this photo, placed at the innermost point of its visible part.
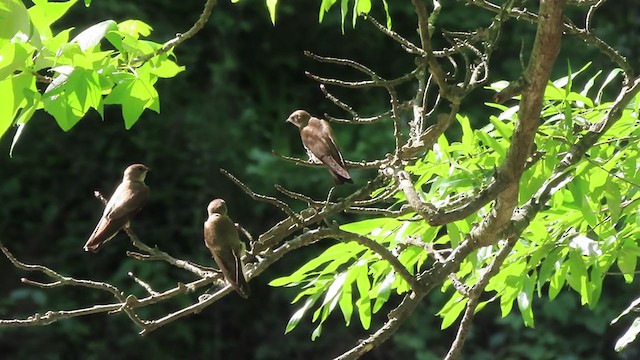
(73, 93)
(346, 303)
(387, 14)
(165, 68)
(629, 336)
(45, 13)
(33, 103)
(612, 75)
(360, 7)
(16, 92)
(595, 286)
(135, 94)
(452, 310)
(94, 34)
(316, 333)
(632, 307)
(467, 132)
(335, 289)
(134, 28)
(13, 57)
(364, 302)
(333, 253)
(525, 301)
(505, 130)
(627, 264)
(589, 84)
(325, 5)
(14, 19)
(382, 291)
(271, 5)
(557, 280)
(297, 316)
(577, 278)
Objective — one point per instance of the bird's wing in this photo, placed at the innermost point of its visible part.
(319, 139)
(127, 199)
(221, 237)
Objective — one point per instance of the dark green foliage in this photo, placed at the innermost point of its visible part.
(243, 78)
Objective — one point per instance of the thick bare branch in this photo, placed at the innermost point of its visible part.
(474, 296)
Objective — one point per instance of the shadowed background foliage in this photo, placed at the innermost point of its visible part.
(243, 78)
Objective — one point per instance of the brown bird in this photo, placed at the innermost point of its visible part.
(222, 239)
(128, 198)
(318, 140)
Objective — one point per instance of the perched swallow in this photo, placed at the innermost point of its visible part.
(318, 140)
(222, 239)
(129, 197)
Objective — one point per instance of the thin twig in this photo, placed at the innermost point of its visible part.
(383, 252)
(143, 284)
(406, 44)
(180, 38)
(268, 199)
(350, 164)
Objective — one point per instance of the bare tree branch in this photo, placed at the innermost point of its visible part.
(474, 296)
(180, 38)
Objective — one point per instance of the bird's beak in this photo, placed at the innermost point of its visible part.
(289, 120)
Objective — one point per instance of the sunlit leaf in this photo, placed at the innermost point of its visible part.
(629, 336)
(271, 6)
(94, 34)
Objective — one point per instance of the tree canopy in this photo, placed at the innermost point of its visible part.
(491, 146)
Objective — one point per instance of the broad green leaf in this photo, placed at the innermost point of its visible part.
(135, 95)
(33, 103)
(45, 13)
(134, 28)
(68, 100)
(14, 19)
(13, 57)
(94, 34)
(14, 92)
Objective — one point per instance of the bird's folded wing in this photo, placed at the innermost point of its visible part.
(131, 199)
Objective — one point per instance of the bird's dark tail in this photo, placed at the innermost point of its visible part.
(242, 288)
(338, 179)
